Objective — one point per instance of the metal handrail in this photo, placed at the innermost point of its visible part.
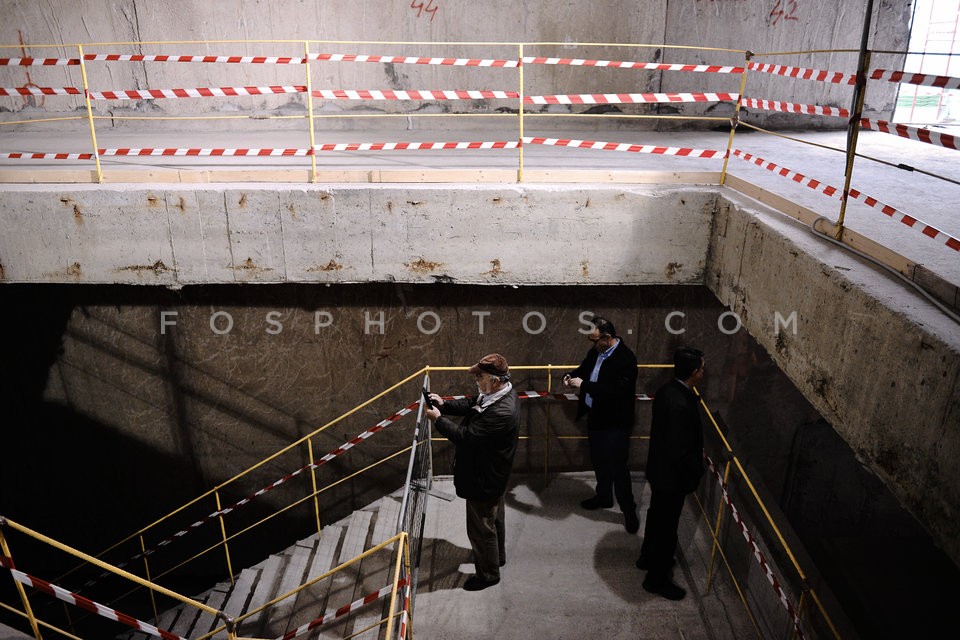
(139, 582)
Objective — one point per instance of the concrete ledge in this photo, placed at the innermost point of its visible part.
(469, 234)
(877, 361)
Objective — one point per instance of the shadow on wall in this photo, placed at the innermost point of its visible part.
(883, 567)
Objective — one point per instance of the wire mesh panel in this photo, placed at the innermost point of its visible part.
(413, 510)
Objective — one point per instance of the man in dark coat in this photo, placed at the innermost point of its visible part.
(674, 469)
(607, 383)
(486, 442)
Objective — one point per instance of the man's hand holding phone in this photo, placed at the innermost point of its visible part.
(431, 402)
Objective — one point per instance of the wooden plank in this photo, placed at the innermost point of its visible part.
(262, 593)
(312, 600)
(206, 621)
(240, 594)
(279, 614)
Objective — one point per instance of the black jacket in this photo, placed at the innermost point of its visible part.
(614, 393)
(675, 458)
(485, 444)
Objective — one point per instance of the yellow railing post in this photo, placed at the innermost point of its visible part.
(520, 113)
(93, 130)
(736, 116)
(801, 605)
(313, 154)
(5, 549)
(546, 428)
(223, 532)
(402, 543)
(716, 530)
(852, 137)
(146, 569)
(313, 482)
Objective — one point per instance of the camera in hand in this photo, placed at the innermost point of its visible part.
(426, 398)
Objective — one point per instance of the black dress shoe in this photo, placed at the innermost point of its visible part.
(476, 583)
(643, 564)
(591, 504)
(666, 589)
(630, 521)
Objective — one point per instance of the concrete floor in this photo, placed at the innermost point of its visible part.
(569, 573)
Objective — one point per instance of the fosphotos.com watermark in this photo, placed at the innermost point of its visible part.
(429, 322)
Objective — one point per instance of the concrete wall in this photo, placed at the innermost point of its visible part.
(768, 26)
(515, 235)
(881, 367)
(154, 413)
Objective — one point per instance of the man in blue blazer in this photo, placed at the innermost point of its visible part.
(607, 383)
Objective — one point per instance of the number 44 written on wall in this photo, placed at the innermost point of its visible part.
(424, 7)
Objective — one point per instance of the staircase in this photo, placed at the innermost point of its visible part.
(284, 571)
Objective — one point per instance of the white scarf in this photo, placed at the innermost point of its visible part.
(485, 401)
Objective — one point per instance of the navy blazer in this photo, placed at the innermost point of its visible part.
(614, 393)
(675, 457)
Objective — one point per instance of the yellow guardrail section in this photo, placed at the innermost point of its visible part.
(808, 601)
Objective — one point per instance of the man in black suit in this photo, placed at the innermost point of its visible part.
(674, 469)
(607, 383)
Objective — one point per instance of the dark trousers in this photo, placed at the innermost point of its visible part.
(609, 449)
(486, 531)
(660, 533)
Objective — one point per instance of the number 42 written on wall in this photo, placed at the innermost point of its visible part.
(784, 10)
(424, 8)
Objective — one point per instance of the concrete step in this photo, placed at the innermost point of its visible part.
(312, 601)
(236, 603)
(282, 572)
(377, 570)
(271, 571)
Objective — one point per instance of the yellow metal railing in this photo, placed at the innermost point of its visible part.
(807, 603)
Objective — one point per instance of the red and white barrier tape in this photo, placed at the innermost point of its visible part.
(39, 62)
(85, 603)
(40, 91)
(201, 92)
(405, 614)
(529, 395)
(380, 426)
(47, 156)
(328, 94)
(943, 82)
(454, 62)
(624, 146)
(628, 98)
(893, 212)
(793, 107)
(913, 133)
(273, 153)
(910, 221)
(757, 553)
(816, 185)
(342, 611)
(835, 77)
(465, 94)
(110, 57)
(422, 146)
(655, 66)
(123, 151)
